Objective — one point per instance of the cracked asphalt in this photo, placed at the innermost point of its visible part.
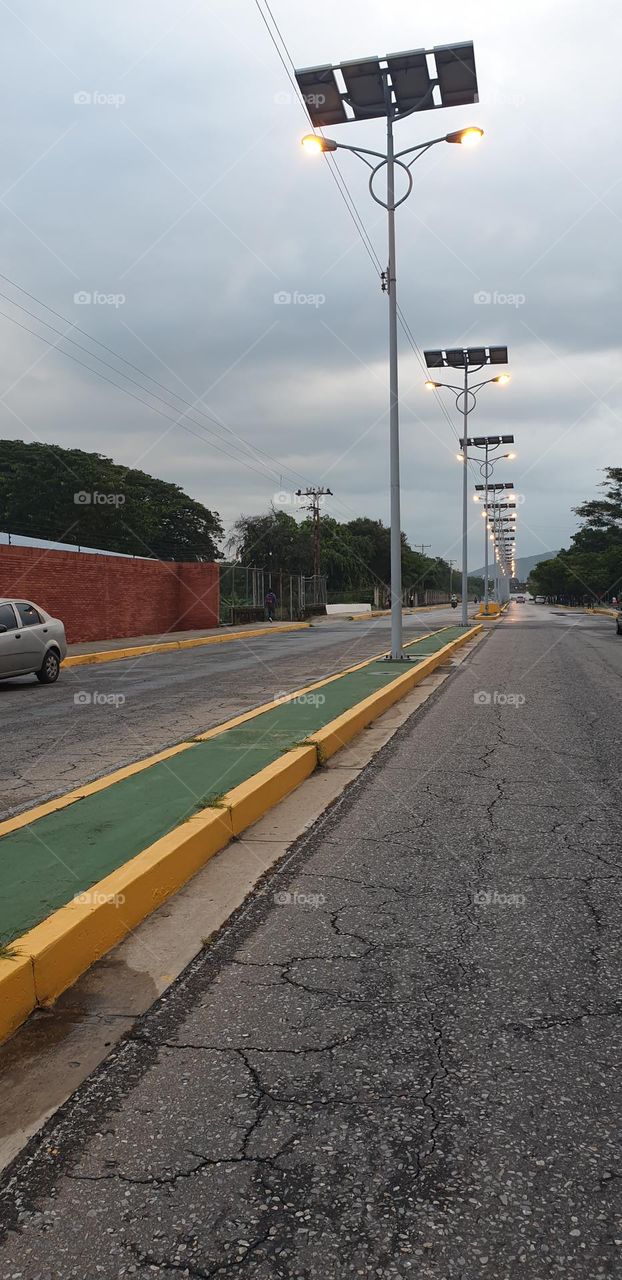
(401, 1056)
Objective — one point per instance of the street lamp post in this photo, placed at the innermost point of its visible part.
(490, 445)
(391, 88)
(471, 360)
(494, 508)
(502, 536)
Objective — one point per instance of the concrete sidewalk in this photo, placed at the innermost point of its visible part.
(130, 642)
(399, 1057)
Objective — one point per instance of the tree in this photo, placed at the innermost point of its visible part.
(592, 566)
(355, 555)
(272, 541)
(85, 499)
(604, 513)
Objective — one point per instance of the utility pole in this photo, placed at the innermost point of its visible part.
(315, 494)
(451, 575)
(422, 547)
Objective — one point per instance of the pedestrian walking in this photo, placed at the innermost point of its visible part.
(270, 603)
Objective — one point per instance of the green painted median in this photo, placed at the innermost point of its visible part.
(43, 866)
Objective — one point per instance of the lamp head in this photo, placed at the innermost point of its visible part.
(314, 143)
(468, 137)
(431, 385)
(502, 378)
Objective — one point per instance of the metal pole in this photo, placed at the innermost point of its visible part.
(486, 534)
(394, 427)
(465, 472)
(494, 529)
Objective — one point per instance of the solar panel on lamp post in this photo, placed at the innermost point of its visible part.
(391, 88)
(471, 360)
(499, 521)
(490, 445)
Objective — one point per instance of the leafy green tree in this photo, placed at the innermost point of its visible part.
(85, 499)
(592, 567)
(272, 541)
(355, 555)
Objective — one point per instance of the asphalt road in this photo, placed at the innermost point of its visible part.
(100, 717)
(402, 1055)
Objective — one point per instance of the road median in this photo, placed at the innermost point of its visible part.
(79, 873)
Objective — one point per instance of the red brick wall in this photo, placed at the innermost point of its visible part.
(106, 597)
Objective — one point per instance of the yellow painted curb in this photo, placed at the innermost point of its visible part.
(56, 952)
(248, 802)
(89, 788)
(166, 646)
(62, 947)
(386, 613)
(17, 993)
(335, 735)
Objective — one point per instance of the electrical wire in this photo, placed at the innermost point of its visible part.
(148, 377)
(350, 205)
(119, 387)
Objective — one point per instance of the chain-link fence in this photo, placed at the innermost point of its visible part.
(243, 590)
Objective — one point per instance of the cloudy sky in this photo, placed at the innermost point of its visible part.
(151, 161)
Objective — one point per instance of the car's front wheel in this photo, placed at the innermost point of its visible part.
(50, 668)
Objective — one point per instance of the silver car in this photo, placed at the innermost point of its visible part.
(31, 641)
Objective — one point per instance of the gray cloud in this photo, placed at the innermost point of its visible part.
(181, 187)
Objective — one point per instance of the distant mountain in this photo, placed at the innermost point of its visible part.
(524, 565)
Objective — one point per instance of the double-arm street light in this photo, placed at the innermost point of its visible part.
(493, 512)
(502, 535)
(471, 360)
(490, 445)
(391, 88)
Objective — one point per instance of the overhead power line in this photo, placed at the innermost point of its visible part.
(348, 199)
(91, 369)
(279, 467)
